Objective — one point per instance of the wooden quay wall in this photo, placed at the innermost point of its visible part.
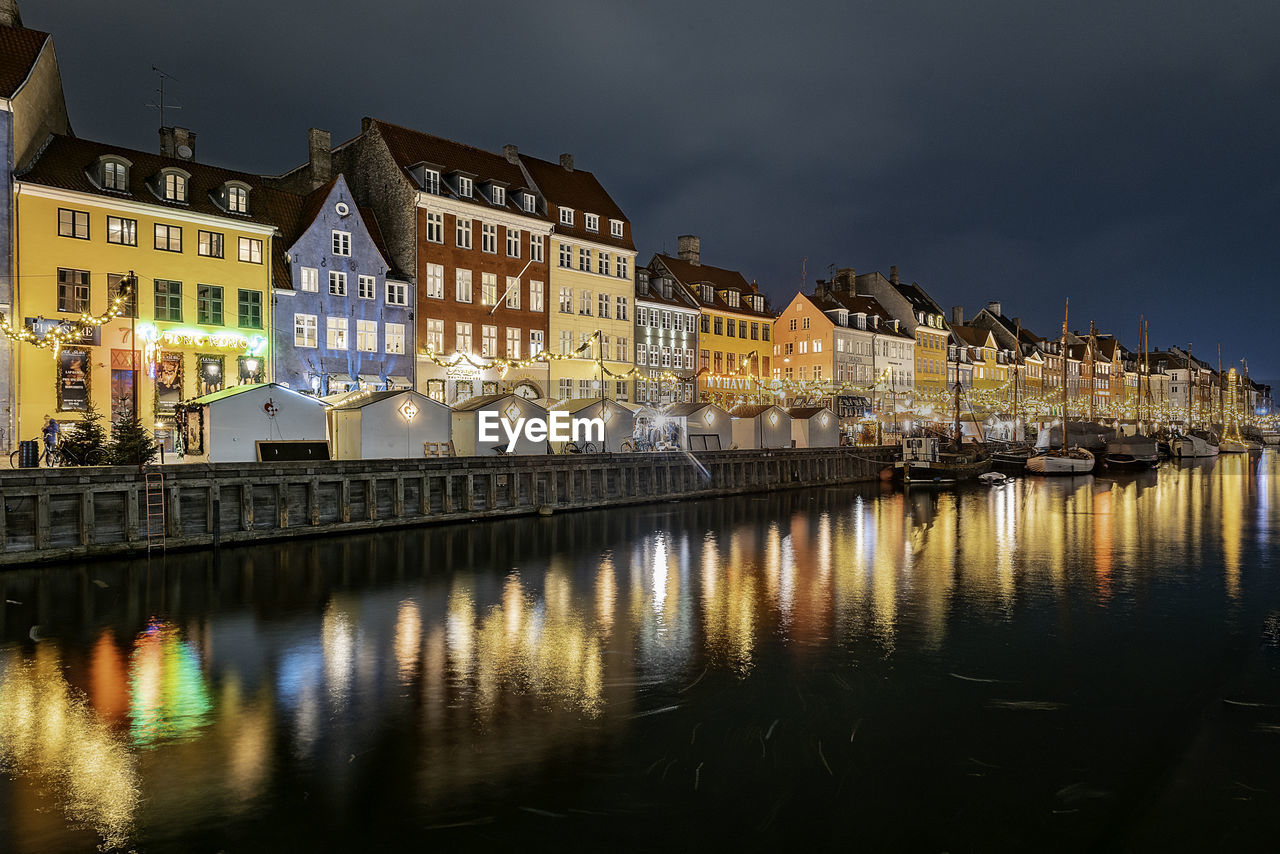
(56, 515)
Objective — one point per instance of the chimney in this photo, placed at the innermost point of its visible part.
(365, 124)
(957, 315)
(994, 307)
(9, 14)
(844, 281)
(512, 154)
(318, 156)
(893, 275)
(566, 162)
(689, 248)
(1017, 321)
(178, 142)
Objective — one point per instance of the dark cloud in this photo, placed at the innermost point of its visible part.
(1124, 154)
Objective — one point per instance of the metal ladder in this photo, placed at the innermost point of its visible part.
(155, 511)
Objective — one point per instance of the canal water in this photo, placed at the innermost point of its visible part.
(1049, 665)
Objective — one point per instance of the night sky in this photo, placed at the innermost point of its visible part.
(1126, 155)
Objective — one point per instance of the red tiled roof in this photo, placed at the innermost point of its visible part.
(693, 275)
(19, 50)
(580, 191)
(867, 305)
(65, 163)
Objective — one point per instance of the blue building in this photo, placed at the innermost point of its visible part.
(347, 320)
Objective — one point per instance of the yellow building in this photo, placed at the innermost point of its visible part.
(735, 332)
(592, 283)
(202, 243)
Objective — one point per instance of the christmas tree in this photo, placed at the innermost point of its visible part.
(85, 444)
(131, 444)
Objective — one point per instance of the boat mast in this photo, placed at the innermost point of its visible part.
(1191, 385)
(1093, 367)
(1017, 361)
(1222, 411)
(1065, 314)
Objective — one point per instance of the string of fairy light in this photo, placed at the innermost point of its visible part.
(71, 330)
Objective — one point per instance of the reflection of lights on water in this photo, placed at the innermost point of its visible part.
(408, 639)
(169, 698)
(659, 570)
(49, 733)
(337, 642)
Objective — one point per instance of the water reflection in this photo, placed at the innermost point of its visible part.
(467, 657)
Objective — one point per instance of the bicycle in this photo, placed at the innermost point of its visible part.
(574, 448)
(92, 457)
(636, 444)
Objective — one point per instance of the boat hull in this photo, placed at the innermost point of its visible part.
(1061, 464)
(1189, 447)
(1131, 462)
(925, 473)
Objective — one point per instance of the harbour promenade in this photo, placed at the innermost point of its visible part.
(52, 515)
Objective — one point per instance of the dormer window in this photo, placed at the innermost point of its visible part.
(861, 320)
(566, 216)
(464, 186)
(499, 196)
(530, 202)
(235, 197)
(114, 174)
(431, 181)
(591, 221)
(758, 302)
(733, 297)
(615, 228)
(173, 185)
(708, 294)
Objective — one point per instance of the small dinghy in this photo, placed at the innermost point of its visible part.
(994, 478)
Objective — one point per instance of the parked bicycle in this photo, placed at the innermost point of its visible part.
(61, 455)
(575, 448)
(636, 444)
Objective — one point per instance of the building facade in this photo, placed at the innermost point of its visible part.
(666, 335)
(919, 316)
(345, 321)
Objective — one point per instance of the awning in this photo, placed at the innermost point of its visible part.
(400, 382)
(339, 378)
(371, 379)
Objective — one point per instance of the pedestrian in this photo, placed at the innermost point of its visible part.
(51, 432)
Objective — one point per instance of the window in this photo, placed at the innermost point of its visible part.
(395, 339)
(115, 175)
(536, 297)
(666, 357)
(513, 243)
(719, 325)
(488, 288)
(615, 227)
(209, 305)
(488, 238)
(435, 335)
(499, 196)
(764, 332)
(706, 323)
(537, 243)
(566, 255)
(566, 300)
(623, 267)
(622, 308)
(464, 186)
(742, 328)
(366, 287)
(705, 356)
(489, 341)
(129, 306)
(666, 320)
(175, 187)
(584, 260)
(73, 290)
(237, 199)
(435, 228)
(367, 336)
(755, 331)
(462, 337)
(566, 216)
(530, 202)
(602, 264)
(168, 300)
(604, 306)
(336, 333)
(398, 293)
(435, 282)
(513, 343)
(566, 389)
(584, 388)
(210, 244)
(535, 342)
(688, 357)
(734, 298)
(642, 316)
(462, 285)
(431, 181)
(304, 330)
(513, 292)
(251, 250)
(310, 278)
(337, 283)
(591, 221)
(250, 309)
(566, 342)
(342, 243)
(122, 231)
(584, 303)
(169, 237)
(804, 324)
(730, 362)
(624, 354)
(655, 355)
(462, 233)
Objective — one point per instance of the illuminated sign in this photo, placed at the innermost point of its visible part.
(214, 339)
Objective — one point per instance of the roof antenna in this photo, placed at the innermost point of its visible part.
(161, 105)
(804, 273)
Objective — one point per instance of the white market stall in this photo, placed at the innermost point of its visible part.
(699, 426)
(230, 423)
(619, 422)
(761, 426)
(509, 409)
(814, 427)
(382, 425)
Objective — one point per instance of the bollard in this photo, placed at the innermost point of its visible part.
(217, 522)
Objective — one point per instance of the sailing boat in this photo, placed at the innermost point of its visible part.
(924, 463)
(1063, 460)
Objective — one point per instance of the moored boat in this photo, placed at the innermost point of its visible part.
(1132, 452)
(924, 462)
(1068, 461)
(1195, 443)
